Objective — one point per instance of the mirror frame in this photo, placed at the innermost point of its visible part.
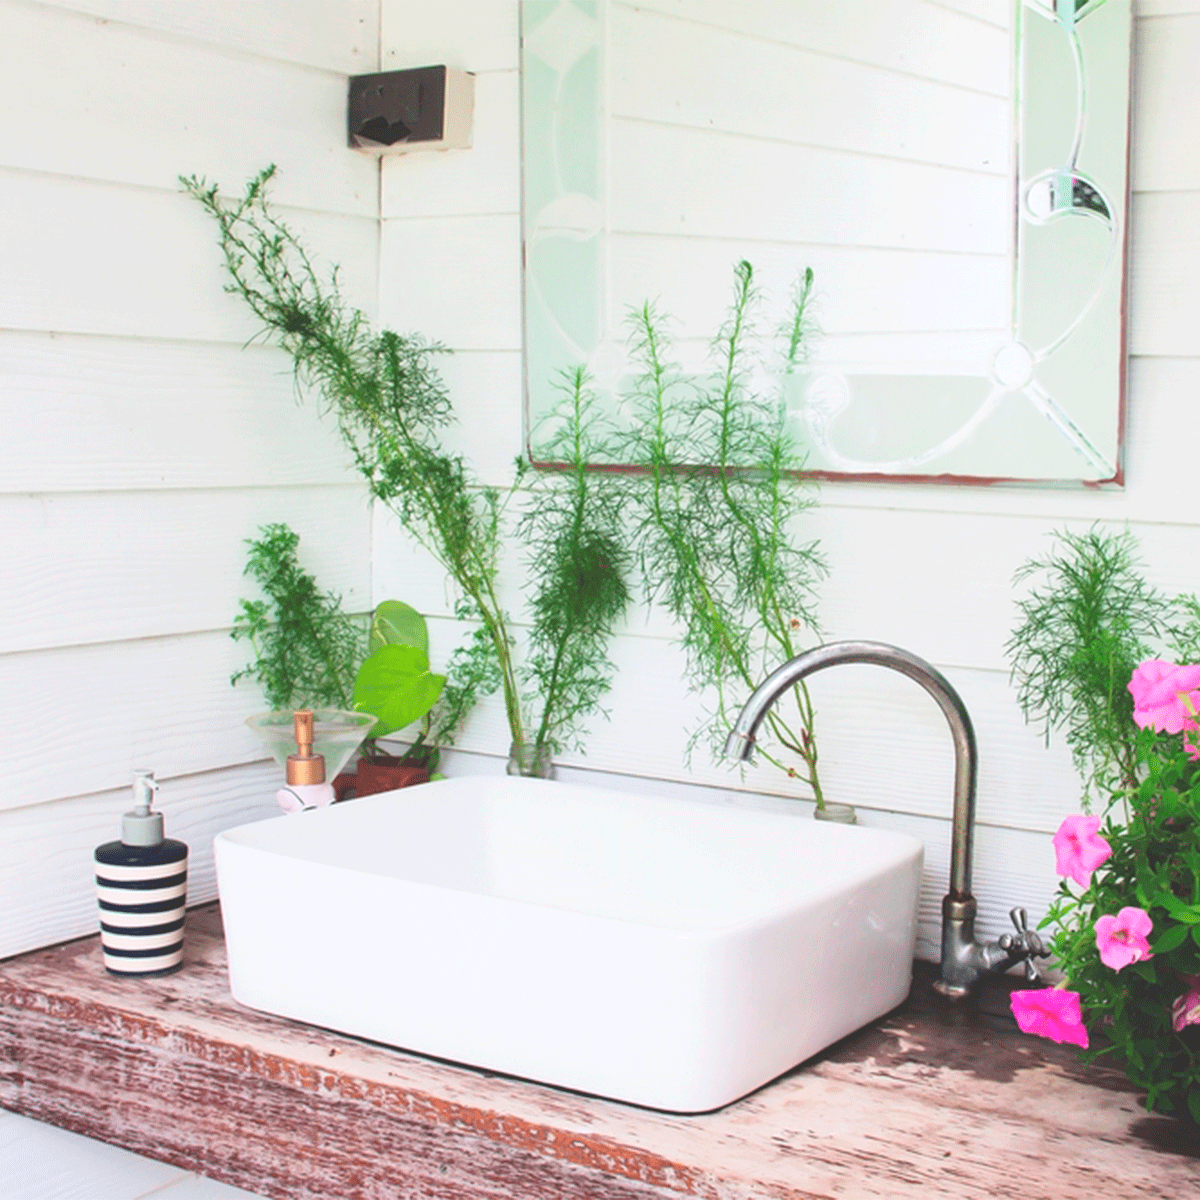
(1083, 431)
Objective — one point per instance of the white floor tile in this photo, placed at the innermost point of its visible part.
(197, 1187)
(42, 1162)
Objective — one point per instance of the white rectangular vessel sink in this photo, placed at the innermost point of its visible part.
(668, 953)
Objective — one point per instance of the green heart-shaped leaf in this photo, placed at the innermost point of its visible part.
(395, 623)
(397, 687)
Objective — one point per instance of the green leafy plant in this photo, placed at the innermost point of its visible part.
(576, 549)
(1088, 619)
(306, 649)
(395, 684)
(719, 501)
(309, 653)
(391, 405)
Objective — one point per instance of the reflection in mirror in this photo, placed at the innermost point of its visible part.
(954, 173)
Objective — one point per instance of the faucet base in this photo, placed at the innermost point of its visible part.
(952, 991)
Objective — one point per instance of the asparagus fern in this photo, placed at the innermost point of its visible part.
(390, 405)
(306, 649)
(720, 499)
(576, 551)
(1088, 620)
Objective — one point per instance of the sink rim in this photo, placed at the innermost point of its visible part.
(801, 891)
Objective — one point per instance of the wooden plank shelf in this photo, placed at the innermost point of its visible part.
(933, 1100)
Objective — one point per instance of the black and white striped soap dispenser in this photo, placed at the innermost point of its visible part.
(141, 884)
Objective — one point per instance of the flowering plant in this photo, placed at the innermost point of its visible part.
(1127, 934)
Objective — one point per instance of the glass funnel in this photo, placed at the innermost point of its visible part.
(336, 735)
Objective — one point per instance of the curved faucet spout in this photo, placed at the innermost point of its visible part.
(964, 961)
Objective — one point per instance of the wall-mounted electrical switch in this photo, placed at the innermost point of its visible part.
(424, 108)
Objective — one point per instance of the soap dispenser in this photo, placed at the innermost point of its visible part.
(306, 787)
(141, 884)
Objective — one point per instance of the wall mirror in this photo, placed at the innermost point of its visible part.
(954, 171)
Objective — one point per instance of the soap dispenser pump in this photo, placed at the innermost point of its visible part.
(141, 885)
(306, 787)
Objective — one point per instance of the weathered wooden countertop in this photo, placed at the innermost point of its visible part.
(932, 1100)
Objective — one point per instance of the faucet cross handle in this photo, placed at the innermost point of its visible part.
(1026, 945)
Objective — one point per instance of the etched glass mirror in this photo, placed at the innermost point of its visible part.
(953, 172)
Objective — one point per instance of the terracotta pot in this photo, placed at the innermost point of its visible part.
(379, 774)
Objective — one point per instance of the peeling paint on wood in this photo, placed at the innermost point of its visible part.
(930, 1101)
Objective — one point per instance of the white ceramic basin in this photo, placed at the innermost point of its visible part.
(669, 953)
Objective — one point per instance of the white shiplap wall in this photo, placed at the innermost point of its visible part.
(140, 444)
(927, 567)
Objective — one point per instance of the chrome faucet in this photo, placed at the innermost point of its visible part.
(964, 960)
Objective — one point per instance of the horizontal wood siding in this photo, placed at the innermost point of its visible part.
(58, 838)
(927, 567)
(143, 442)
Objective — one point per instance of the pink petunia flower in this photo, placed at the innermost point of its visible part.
(1079, 849)
(1121, 940)
(1186, 1010)
(1050, 1013)
(1165, 696)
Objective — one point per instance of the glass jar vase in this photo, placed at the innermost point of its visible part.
(526, 758)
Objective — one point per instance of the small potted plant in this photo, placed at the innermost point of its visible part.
(396, 686)
(309, 653)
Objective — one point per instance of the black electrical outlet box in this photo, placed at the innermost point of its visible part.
(418, 108)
